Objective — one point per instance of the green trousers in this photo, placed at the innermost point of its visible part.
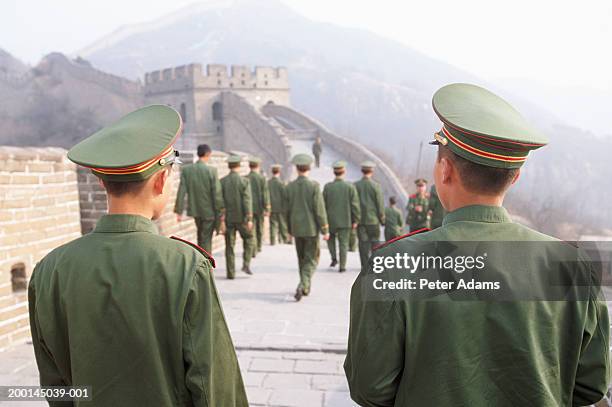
(343, 236)
(308, 258)
(258, 227)
(369, 236)
(278, 224)
(230, 241)
(353, 241)
(205, 229)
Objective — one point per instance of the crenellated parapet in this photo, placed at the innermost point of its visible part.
(216, 77)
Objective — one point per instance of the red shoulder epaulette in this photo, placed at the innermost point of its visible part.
(412, 196)
(395, 239)
(198, 248)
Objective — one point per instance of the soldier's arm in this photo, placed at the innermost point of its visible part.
(247, 200)
(593, 372)
(49, 373)
(375, 357)
(320, 212)
(212, 374)
(266, 196)
(380, 204)
(355, 206)
(409, 209)
(179, 205)
(217, 194)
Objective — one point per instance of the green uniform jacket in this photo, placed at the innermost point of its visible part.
(372, 202)
(436, 208)
(477, 353)
(393, 221)
(306, 214)
(341, 204)
(200, 183)
(237, 198)
(259, 193)
(278, 195)
(317, 148)
(417, 220)
(134, 315)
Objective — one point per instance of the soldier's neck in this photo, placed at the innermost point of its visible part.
(204, 159)
(303, 174)
(129, 206)
(461, 200)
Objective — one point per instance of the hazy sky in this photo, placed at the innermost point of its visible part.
(555, 52)
(557, 42)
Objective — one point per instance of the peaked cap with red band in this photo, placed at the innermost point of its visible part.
(483, 128)
(134, 147)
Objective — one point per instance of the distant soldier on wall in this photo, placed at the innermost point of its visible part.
(306, 219)
(130, 313)
(238, 216)
(394, 221)
(278, 198)
(200, 183)
(436, 210)
(317, 150)
(261, 201)
(343, 212)
(418, 207)
(372, 212)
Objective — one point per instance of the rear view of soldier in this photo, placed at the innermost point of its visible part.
(393, 220)
(469, 347)
(306, 217)
(200, 183)
(343, 212)
(278, 198)
(238, 216)
(372, 212)
(260, 198)
(124, 310)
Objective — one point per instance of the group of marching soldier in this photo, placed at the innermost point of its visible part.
(344, 213)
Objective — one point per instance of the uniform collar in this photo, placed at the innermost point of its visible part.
(478, 213)
(122, 223)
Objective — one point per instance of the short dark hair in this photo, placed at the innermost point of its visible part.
(303, 168)
(276, 170)
(121, 188)
(477, 178)
(203, 150)
(339, 171)
(366, 171)
(253, 165)
(392, 200)
(233, 165)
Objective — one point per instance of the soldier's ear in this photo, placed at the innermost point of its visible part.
(516, 176)
(448, 171)
(159, 181)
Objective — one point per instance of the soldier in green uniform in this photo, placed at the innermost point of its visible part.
(317, 150)
(440, 352)
(133, 314)
(343, 211)
(278, 197)
(393, 220)
(372, 212)
(418, 207)
(353, 240)
(436, 210)
(306, 217)
(260, 199)
(238, 216)
(200, 183)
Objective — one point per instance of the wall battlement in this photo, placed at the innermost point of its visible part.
(216, 76)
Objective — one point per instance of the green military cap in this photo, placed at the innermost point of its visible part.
(368, 164)
(420, 181)
(234, 159)
(134, 147)
(483, 128)
(301, 159)
(275, 166)
(339, 164)
(254, 160)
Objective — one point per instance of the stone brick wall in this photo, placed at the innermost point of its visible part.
(245, 128)
(39, 211)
